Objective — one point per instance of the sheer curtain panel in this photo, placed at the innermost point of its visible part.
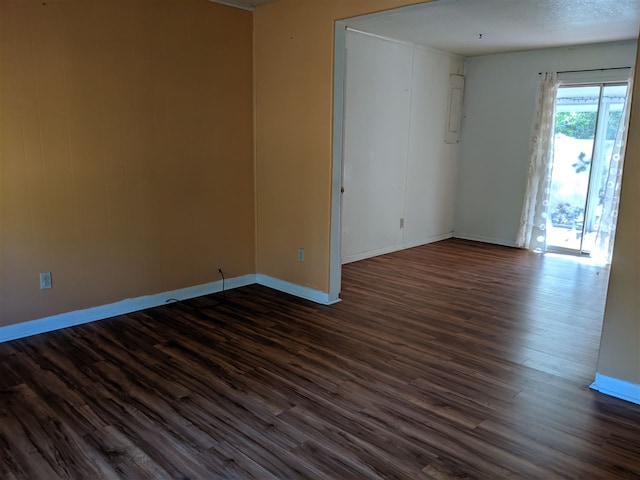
(611, 196)
(533, 222)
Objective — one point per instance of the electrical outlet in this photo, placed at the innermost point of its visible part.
(301, 254)
(45, 280)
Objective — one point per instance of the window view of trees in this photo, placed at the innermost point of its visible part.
(567, 209)
(566, 215)
(581, 125)
(587, 123)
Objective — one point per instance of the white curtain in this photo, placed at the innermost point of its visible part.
(533, 222)
(611, 198)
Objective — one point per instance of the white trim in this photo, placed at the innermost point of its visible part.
(617, 388)
(122, 307)
(480, 238)
(394, 248)
(335, 225)
(294, 289)
(78, 317)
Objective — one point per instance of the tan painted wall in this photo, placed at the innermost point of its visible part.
(127, 150)
(294, 95)
(126, 154)
(293, 68)
(620, 343)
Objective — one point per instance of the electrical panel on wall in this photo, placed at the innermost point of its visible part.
(454, 112)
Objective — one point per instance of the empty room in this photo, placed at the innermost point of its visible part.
(319, 239)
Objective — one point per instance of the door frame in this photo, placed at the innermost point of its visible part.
(335, 228)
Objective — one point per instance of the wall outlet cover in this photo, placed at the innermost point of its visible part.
(45, 280)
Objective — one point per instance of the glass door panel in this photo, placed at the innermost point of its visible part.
(609, 117)
(575, 130)
(586, 123)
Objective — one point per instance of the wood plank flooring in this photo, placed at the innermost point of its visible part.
(452, 360)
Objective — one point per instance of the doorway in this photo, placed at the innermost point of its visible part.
(587, 121)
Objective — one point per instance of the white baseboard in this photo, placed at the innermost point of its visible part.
(617, 388)
(394, 248)
(480, 238)
(307, 293)
(78, 317)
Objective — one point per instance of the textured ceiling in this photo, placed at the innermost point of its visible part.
(245, 4)
(480, 27)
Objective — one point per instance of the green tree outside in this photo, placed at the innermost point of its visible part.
(582, 125)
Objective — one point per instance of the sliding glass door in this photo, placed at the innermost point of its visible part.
(586, 125)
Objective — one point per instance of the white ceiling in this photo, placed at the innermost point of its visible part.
(244, 4)
(480, 27)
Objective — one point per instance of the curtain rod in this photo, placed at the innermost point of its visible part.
(590, 70)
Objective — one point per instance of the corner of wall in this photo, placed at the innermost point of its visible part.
(615, 387)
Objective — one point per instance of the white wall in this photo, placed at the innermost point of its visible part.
(396, 164)
(498, 108)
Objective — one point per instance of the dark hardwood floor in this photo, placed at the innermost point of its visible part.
(452, 360)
